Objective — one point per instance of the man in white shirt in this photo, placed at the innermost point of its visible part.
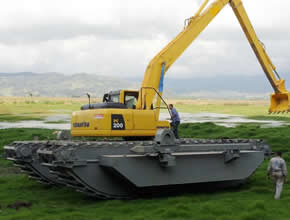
(278, 169)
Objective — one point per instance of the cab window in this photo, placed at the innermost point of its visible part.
(131, 99)
(115, 98)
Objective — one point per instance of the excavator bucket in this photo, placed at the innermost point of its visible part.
(280, 103)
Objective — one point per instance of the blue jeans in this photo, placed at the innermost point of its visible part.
(174, 126)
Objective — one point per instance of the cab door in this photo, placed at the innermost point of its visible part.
(144, 120)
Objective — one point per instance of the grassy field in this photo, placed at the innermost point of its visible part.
(252, 201)
(38, 108)
(24, 108)
(256, 109)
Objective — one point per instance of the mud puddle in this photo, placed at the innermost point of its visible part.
(63, 121)
(224, 119)
(60, 121)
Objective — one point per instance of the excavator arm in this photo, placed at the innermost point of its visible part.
(280, 99)
(157, 68)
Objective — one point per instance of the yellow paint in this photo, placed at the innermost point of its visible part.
(214, 10)
(136, 122)
(280, 99)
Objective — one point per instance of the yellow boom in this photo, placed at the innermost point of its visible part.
(118, 115)
(153, 78)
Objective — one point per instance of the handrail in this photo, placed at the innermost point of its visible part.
(159, 97)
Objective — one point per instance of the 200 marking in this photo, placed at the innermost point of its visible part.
(118, 125)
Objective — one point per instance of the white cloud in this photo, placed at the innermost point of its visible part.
(120, 37)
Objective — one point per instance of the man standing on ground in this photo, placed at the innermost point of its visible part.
(175, 120)
(277, 168)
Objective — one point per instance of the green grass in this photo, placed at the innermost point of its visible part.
(15, 118)
(254, 200)
(278, 138)
(21, 134)
(56, 122)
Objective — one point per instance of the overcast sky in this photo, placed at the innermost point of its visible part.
(118, 38)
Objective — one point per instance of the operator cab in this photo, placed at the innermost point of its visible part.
(124, 99)
(112, 96)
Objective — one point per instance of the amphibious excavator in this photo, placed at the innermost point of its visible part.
(130, 168)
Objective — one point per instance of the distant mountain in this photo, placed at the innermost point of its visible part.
(237, 83)
(224, 86)
(56, 84)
